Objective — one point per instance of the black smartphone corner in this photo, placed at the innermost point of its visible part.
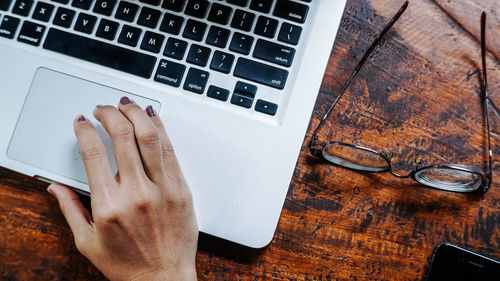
(452, 262)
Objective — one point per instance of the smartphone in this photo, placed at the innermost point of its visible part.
(451, 262)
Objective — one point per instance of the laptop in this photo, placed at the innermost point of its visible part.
(234, 82)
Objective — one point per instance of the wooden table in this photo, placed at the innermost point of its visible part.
(417, 96)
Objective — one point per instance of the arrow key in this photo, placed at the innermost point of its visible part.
(218, 93)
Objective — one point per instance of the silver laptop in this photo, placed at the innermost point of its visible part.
(234, 81)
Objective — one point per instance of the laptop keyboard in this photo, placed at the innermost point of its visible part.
(178, 43)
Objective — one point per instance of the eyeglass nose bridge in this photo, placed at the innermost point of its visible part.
(417, 162)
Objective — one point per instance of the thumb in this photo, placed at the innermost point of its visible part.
(76, 215)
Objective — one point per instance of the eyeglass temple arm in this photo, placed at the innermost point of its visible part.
(314, 137)
(486, 99)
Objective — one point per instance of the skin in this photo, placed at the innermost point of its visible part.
(143, 225)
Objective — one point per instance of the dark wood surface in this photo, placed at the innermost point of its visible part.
(418, 96)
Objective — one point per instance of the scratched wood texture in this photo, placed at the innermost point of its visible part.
(418, 96)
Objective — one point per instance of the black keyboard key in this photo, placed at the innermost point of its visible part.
(198, 55)
(218, 93)
(290, 33)
(8, 26)
(217, 36)
(175, 48)
(170, 73)
(245, 89)
(149, 17)
(266, 107)
(22, 7)
(171, 23)
(196, 8)
(273, 52)
(242, 100)
(266, 27)
(129, 35)
(243, 94)
(5, 4)
(152, 42)
(100, 53)
(43, 11)
(196, 80)
(219, 14)
(291, 10)
(107, 29)
(82, 4)
(126, 11)
(263, 6)
(85, 23)
(261, 73)
(222, 62)
(104, 7)
(61, 1)
(31, 33)
(242, 3)
(242, 20)
(194, 30)
(64, 17)
(151, 2)
(173, 5)
(241, 43)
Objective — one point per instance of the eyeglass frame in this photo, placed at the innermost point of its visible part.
(485, 179)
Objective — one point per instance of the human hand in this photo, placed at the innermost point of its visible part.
(143, 225)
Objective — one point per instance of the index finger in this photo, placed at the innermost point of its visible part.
(95, 159)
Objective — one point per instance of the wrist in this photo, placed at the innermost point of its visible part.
(186, 274)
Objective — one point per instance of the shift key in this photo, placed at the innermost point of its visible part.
(261, 73)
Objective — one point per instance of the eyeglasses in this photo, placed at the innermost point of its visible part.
(450, 177)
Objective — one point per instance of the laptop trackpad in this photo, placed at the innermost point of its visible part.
(44, 136)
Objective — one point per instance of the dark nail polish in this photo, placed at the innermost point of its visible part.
(125, 100)
(150, 111)
(81, 118)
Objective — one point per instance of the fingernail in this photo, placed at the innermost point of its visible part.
(125, 100)
(81, 118)
(97, 106)
(150, 111)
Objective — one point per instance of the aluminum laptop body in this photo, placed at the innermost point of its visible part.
(238, 161)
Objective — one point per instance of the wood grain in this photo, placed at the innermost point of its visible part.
(467, 14)
(417, 96)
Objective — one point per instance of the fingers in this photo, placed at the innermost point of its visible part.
(94, 156)
(121, 132)
(148, 140)
(76, 215)
(167, 151)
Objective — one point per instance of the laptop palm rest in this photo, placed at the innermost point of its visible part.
(44, 136)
